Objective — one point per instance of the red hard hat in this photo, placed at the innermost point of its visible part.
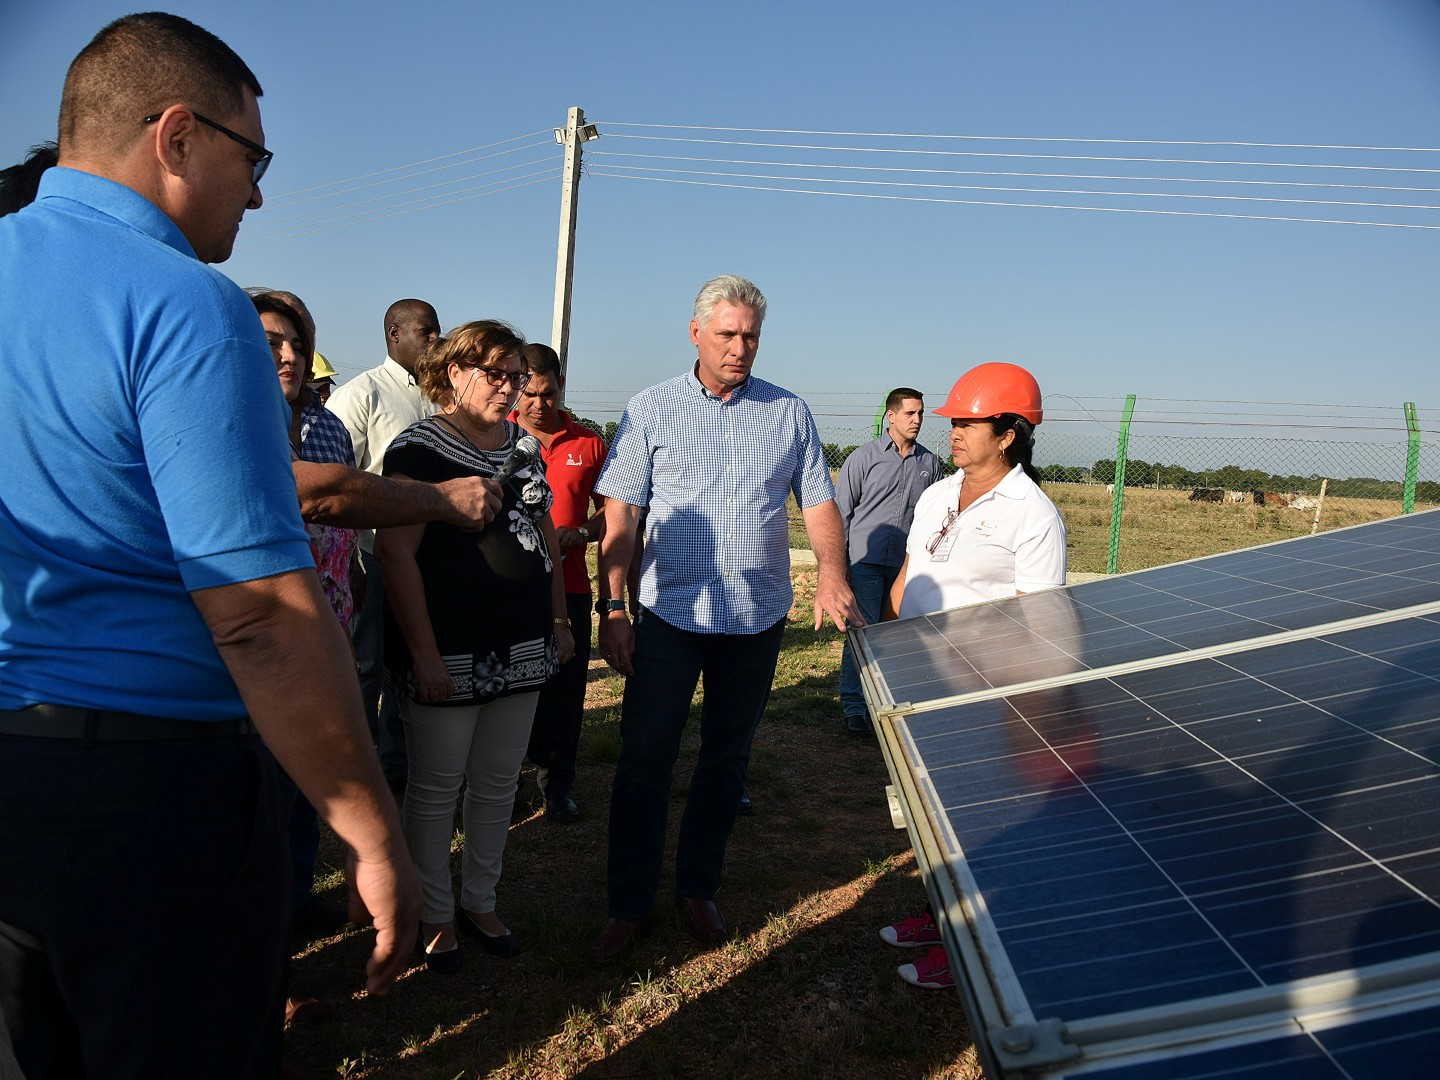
(992, 389)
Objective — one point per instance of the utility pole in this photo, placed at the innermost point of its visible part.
(575, 132)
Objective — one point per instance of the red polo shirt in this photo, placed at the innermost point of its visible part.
(572, 465)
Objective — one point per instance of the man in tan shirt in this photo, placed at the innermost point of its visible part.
(376, 406)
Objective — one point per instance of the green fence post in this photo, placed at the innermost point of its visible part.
(1117, 498)
(1412, 458)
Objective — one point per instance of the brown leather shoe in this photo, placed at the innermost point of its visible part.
(618, 938)
(704, 921)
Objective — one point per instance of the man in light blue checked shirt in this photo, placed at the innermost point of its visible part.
(713, 455)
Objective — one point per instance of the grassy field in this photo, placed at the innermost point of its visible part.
(1162, 526)
(806, 988)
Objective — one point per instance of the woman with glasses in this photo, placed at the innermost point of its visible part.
(475, 625)
(983, 533)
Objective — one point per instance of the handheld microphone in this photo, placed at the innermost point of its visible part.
(527, 448)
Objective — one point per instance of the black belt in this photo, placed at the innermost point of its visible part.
(103, 725)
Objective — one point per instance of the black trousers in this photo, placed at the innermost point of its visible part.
(153, 876)
(555, 734)
(737, 670)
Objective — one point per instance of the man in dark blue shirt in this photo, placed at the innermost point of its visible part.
(158, 602)
(878, 488)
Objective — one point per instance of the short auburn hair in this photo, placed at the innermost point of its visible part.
(140, 65)
(473, 344)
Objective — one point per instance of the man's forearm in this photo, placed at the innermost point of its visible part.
(618, 546)
(827, 538)
(354, 499)
(295, 672)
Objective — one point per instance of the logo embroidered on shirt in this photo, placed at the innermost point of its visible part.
(571, 459)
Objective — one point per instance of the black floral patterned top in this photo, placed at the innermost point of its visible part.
(488, 593)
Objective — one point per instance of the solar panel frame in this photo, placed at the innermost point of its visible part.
(1000, 1007)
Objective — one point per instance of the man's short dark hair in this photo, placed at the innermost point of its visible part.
(541, 360)
(403, 311)
(901, 394)
(140, 65)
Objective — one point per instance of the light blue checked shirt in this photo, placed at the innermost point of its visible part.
(715, 474)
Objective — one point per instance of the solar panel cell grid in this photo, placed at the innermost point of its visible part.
(1215, 601)
(1207, 824)
(1211, 826)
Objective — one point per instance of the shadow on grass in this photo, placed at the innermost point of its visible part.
(811, 988)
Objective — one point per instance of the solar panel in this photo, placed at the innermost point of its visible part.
(1205, 783)
(1348, 575)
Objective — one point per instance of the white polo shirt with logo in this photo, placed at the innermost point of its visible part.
(1010, 540)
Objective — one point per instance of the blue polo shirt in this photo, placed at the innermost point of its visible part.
(144, 450)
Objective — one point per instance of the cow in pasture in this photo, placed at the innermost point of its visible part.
(1272, 498)
(1236, 497)
(1304, 502)
(1214, 495)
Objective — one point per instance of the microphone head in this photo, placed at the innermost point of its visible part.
(528, 445)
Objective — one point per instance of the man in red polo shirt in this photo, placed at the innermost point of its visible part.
(573, 455)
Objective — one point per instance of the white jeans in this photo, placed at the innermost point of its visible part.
(483, 745)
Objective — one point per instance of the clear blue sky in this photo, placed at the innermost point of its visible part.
(863, 293)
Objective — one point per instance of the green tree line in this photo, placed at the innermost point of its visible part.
(1233, 478)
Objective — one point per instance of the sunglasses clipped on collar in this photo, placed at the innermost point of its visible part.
(257, 169)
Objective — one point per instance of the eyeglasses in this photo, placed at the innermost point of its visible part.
(257, 169)
(499, 376)
(936, 540)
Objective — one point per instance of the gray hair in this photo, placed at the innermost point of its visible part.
(728, 289)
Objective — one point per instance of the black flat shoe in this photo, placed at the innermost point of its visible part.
(562, 811)
(448, 962)
(504, 946)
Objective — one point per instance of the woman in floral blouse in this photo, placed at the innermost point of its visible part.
(475, 626)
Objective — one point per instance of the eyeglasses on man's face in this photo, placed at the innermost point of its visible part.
(257, 168)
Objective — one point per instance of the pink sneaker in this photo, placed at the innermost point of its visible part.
(931, 971)
(912, 933)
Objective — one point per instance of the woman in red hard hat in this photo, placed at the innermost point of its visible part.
(984, 533)
(987, 531)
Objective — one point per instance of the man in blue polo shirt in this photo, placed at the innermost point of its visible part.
(158, 602)
(713, 455)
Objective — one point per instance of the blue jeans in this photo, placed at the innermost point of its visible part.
(738, 670)
(869, 582)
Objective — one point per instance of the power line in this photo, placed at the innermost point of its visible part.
(1046, 191)
(1049, 157)
(295, 211)
(1004, 172)
(412, 164)
(488, 189)
(424, 172)
(1039, 206)
(1027, 138)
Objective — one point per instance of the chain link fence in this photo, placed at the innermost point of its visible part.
(1199, 477)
